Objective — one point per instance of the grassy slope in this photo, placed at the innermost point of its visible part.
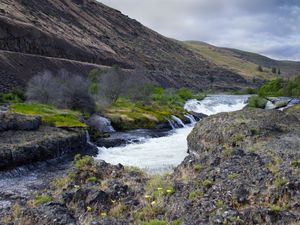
(231, 60)
(49, 114)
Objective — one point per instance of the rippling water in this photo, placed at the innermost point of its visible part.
(157, 155)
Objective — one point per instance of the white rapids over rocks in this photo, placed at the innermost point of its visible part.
(158, 155)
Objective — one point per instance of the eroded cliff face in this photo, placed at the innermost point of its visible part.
(88, 32)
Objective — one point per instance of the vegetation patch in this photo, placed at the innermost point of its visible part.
(257, 102)
(50, 114)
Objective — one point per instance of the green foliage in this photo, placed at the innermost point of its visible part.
(296, 163)
(156, 222)
(280, 181)
(50, 114)
(207, 183)
(280, 87)
(91, 179)
(42, 199)
(257, 102)
(15, 96)
(185, 93)
(197, 167)
(195, 194)
(81, 162)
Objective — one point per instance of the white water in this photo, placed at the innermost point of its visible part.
(157, 155)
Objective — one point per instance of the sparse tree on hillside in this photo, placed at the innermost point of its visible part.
(279, 72)
(116, 83)
(260, 69)
(274, 70)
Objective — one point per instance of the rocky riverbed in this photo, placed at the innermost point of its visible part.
(243, 168)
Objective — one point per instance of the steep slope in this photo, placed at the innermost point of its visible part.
(90, 32)
(242, 62)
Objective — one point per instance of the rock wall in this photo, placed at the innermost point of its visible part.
(24, 140)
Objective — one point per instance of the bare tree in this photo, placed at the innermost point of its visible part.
(65, 90)
(116, 83)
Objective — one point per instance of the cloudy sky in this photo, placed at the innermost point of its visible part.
(269, 27)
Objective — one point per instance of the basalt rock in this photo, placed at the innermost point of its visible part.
(13, 121)
(24, 140)
(242, 169)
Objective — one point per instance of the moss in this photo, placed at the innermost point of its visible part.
(42, 199)
(50, 114)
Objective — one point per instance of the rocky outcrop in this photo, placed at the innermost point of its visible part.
(24, 140)
(243, 168)
(90, 34)
(13, 121)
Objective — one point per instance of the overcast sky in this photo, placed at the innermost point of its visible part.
(269, 27)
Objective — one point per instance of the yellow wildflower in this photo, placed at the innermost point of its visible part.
(153, 203)
(170, 191)
(147, 196)
(89, 209)
(76, 186)
(103, 214)
(159, 189)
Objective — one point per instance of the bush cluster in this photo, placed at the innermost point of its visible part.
(281, 87)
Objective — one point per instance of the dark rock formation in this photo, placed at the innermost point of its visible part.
(13, 121)
(243, 168)
(24, 141)
(39, 35)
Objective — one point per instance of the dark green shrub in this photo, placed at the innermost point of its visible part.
(257, 102)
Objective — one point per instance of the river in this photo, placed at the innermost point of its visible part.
(157, 155)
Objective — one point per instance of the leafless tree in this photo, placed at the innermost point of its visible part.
(65, 90)
(116, 83)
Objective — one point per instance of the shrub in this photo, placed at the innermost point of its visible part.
(81, 162)
(15, 96)
(91, 179)
(257, 102)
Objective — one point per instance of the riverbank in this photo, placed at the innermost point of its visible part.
(242, 168)
(25, 140)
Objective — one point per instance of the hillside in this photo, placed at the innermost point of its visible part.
(38, 35)
(242, 62)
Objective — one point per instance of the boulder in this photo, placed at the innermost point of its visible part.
(14, 121)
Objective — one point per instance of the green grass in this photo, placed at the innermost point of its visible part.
(227, 59)
(42, 199)
(126, 114)
(50, 114)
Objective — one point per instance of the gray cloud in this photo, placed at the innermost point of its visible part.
(269, 27)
